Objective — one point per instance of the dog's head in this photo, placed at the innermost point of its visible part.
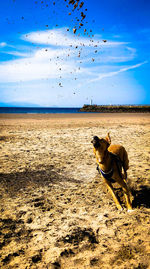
(101, 144)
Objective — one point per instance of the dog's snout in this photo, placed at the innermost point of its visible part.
(95, 141)
(95, 138)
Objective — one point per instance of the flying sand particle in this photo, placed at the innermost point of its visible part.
(81, 4)
(75, 6)
(74, 30)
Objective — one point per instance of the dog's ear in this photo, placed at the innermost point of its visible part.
(108, 139)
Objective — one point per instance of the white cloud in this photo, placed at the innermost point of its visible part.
(17, 53)
(62, 56)
(3, 44)
(43, 64)
(49, 53)
(61, 37)
(111, 74)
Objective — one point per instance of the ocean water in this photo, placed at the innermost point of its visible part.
(37, 110)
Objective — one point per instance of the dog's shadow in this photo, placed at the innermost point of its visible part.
(141, 197)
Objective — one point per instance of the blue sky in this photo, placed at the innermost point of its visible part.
(43, 63)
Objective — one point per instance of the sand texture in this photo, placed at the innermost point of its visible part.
(55, 209)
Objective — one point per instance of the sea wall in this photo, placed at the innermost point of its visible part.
(116, 108)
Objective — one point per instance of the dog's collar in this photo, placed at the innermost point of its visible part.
(107, 175)
(114, 158)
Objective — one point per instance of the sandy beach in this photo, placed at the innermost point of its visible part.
(55, 209)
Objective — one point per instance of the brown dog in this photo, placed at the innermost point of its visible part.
(110, 160)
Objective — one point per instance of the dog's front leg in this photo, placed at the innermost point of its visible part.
(126, 194)
(111, 189)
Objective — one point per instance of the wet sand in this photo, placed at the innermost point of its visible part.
(55, 209)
